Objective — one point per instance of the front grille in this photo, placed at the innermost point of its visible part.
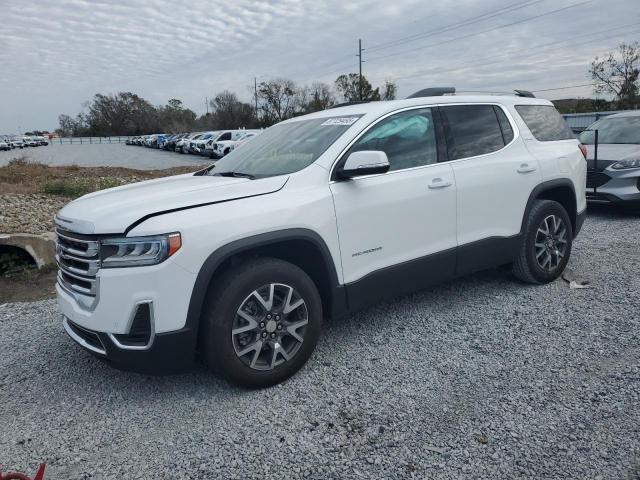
(597, 179)
(78, 259)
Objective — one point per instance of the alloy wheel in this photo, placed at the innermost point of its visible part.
(269, 326)
(550, 243)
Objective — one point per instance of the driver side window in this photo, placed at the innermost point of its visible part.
(408, 138)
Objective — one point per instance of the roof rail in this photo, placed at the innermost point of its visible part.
(433, 92)
(524, 93)
(346, 104)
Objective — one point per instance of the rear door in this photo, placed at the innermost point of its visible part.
(397, 230)
(495, 175)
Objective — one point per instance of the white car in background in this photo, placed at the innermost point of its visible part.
(4, 145)
(223, 147)
(29, 142)
(17, 143)
(198, 144)
(182, 146)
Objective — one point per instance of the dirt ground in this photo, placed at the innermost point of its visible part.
(29, 286)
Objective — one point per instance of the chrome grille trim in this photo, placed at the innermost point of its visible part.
(78, 260)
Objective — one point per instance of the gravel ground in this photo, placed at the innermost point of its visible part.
(103, 155)
(478, 378)
(29, 213)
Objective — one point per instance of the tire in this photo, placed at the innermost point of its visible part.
(246, 358)
(543, 257)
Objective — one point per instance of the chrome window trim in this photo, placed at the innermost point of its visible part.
(514, 126)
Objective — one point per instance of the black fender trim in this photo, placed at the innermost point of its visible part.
(540, 189)
(214, 261)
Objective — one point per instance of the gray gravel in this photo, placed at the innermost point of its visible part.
(104, 155)
(479, 378)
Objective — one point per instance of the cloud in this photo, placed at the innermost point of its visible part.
(55, 55)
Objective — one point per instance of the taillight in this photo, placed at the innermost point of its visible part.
(583, 149)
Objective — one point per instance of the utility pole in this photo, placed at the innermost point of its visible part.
(255, 93)
(206, 102)
(360, 68)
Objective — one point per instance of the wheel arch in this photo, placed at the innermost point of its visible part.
(302, 247)
(560, 190)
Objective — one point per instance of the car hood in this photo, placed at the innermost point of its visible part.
(614, 151)
(114, 210)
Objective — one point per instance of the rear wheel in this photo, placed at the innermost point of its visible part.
(262, 322)
(546, 245)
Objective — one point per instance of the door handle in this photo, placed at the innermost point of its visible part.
(526, 168)
(439, 183)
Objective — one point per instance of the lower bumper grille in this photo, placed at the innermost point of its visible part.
(84, 337)
(597, 179)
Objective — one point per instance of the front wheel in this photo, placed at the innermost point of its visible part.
(261, 323)
(546, 245)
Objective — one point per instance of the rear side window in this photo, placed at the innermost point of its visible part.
(545, 123)
(471, 130)
(505, 126)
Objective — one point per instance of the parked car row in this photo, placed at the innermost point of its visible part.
(9, 143)
(214, 144)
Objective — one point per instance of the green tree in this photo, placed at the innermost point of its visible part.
(351, 89)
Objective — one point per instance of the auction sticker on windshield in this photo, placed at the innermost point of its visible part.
(340, 121)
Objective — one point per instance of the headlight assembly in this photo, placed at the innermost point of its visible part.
(138, 251)
(623, 164)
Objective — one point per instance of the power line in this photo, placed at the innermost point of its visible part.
(528, 19)
(484, 62)
(453, 26)
(566, 87)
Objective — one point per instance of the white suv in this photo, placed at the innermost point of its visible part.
(319, 216)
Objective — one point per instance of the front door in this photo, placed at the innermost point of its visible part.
(397, 230)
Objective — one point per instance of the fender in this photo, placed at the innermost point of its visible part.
(576, 218)
(213, 262)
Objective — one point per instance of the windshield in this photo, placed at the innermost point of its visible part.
(285, 148)
(624, 130)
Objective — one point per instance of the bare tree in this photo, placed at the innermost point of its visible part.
(389, 91)
(617, 73)
(318, 96)
(279, 99)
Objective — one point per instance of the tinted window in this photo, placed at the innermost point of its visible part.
(505, 126)
(225, 136)
(624, 130)
(408, 138)
(471, 130)
(545, 122)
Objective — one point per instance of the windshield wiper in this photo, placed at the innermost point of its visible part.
(235, 174)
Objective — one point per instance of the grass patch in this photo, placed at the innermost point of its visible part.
(76, 187)
(21, 176)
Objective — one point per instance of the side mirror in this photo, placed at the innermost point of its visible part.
(365, 162)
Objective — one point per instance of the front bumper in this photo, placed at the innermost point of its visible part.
(614, 186)
(110, 315)
(171, 352)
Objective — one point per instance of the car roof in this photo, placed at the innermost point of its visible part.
(380, 108)
(633, 113)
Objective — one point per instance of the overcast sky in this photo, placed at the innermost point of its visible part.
(55, 55)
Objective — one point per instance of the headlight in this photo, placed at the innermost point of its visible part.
(138, 251)
(622, 164)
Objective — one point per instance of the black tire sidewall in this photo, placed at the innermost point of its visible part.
(544, 209)
(218, 345)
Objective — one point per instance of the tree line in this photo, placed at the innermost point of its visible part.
(126, 113)
(616, 75)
